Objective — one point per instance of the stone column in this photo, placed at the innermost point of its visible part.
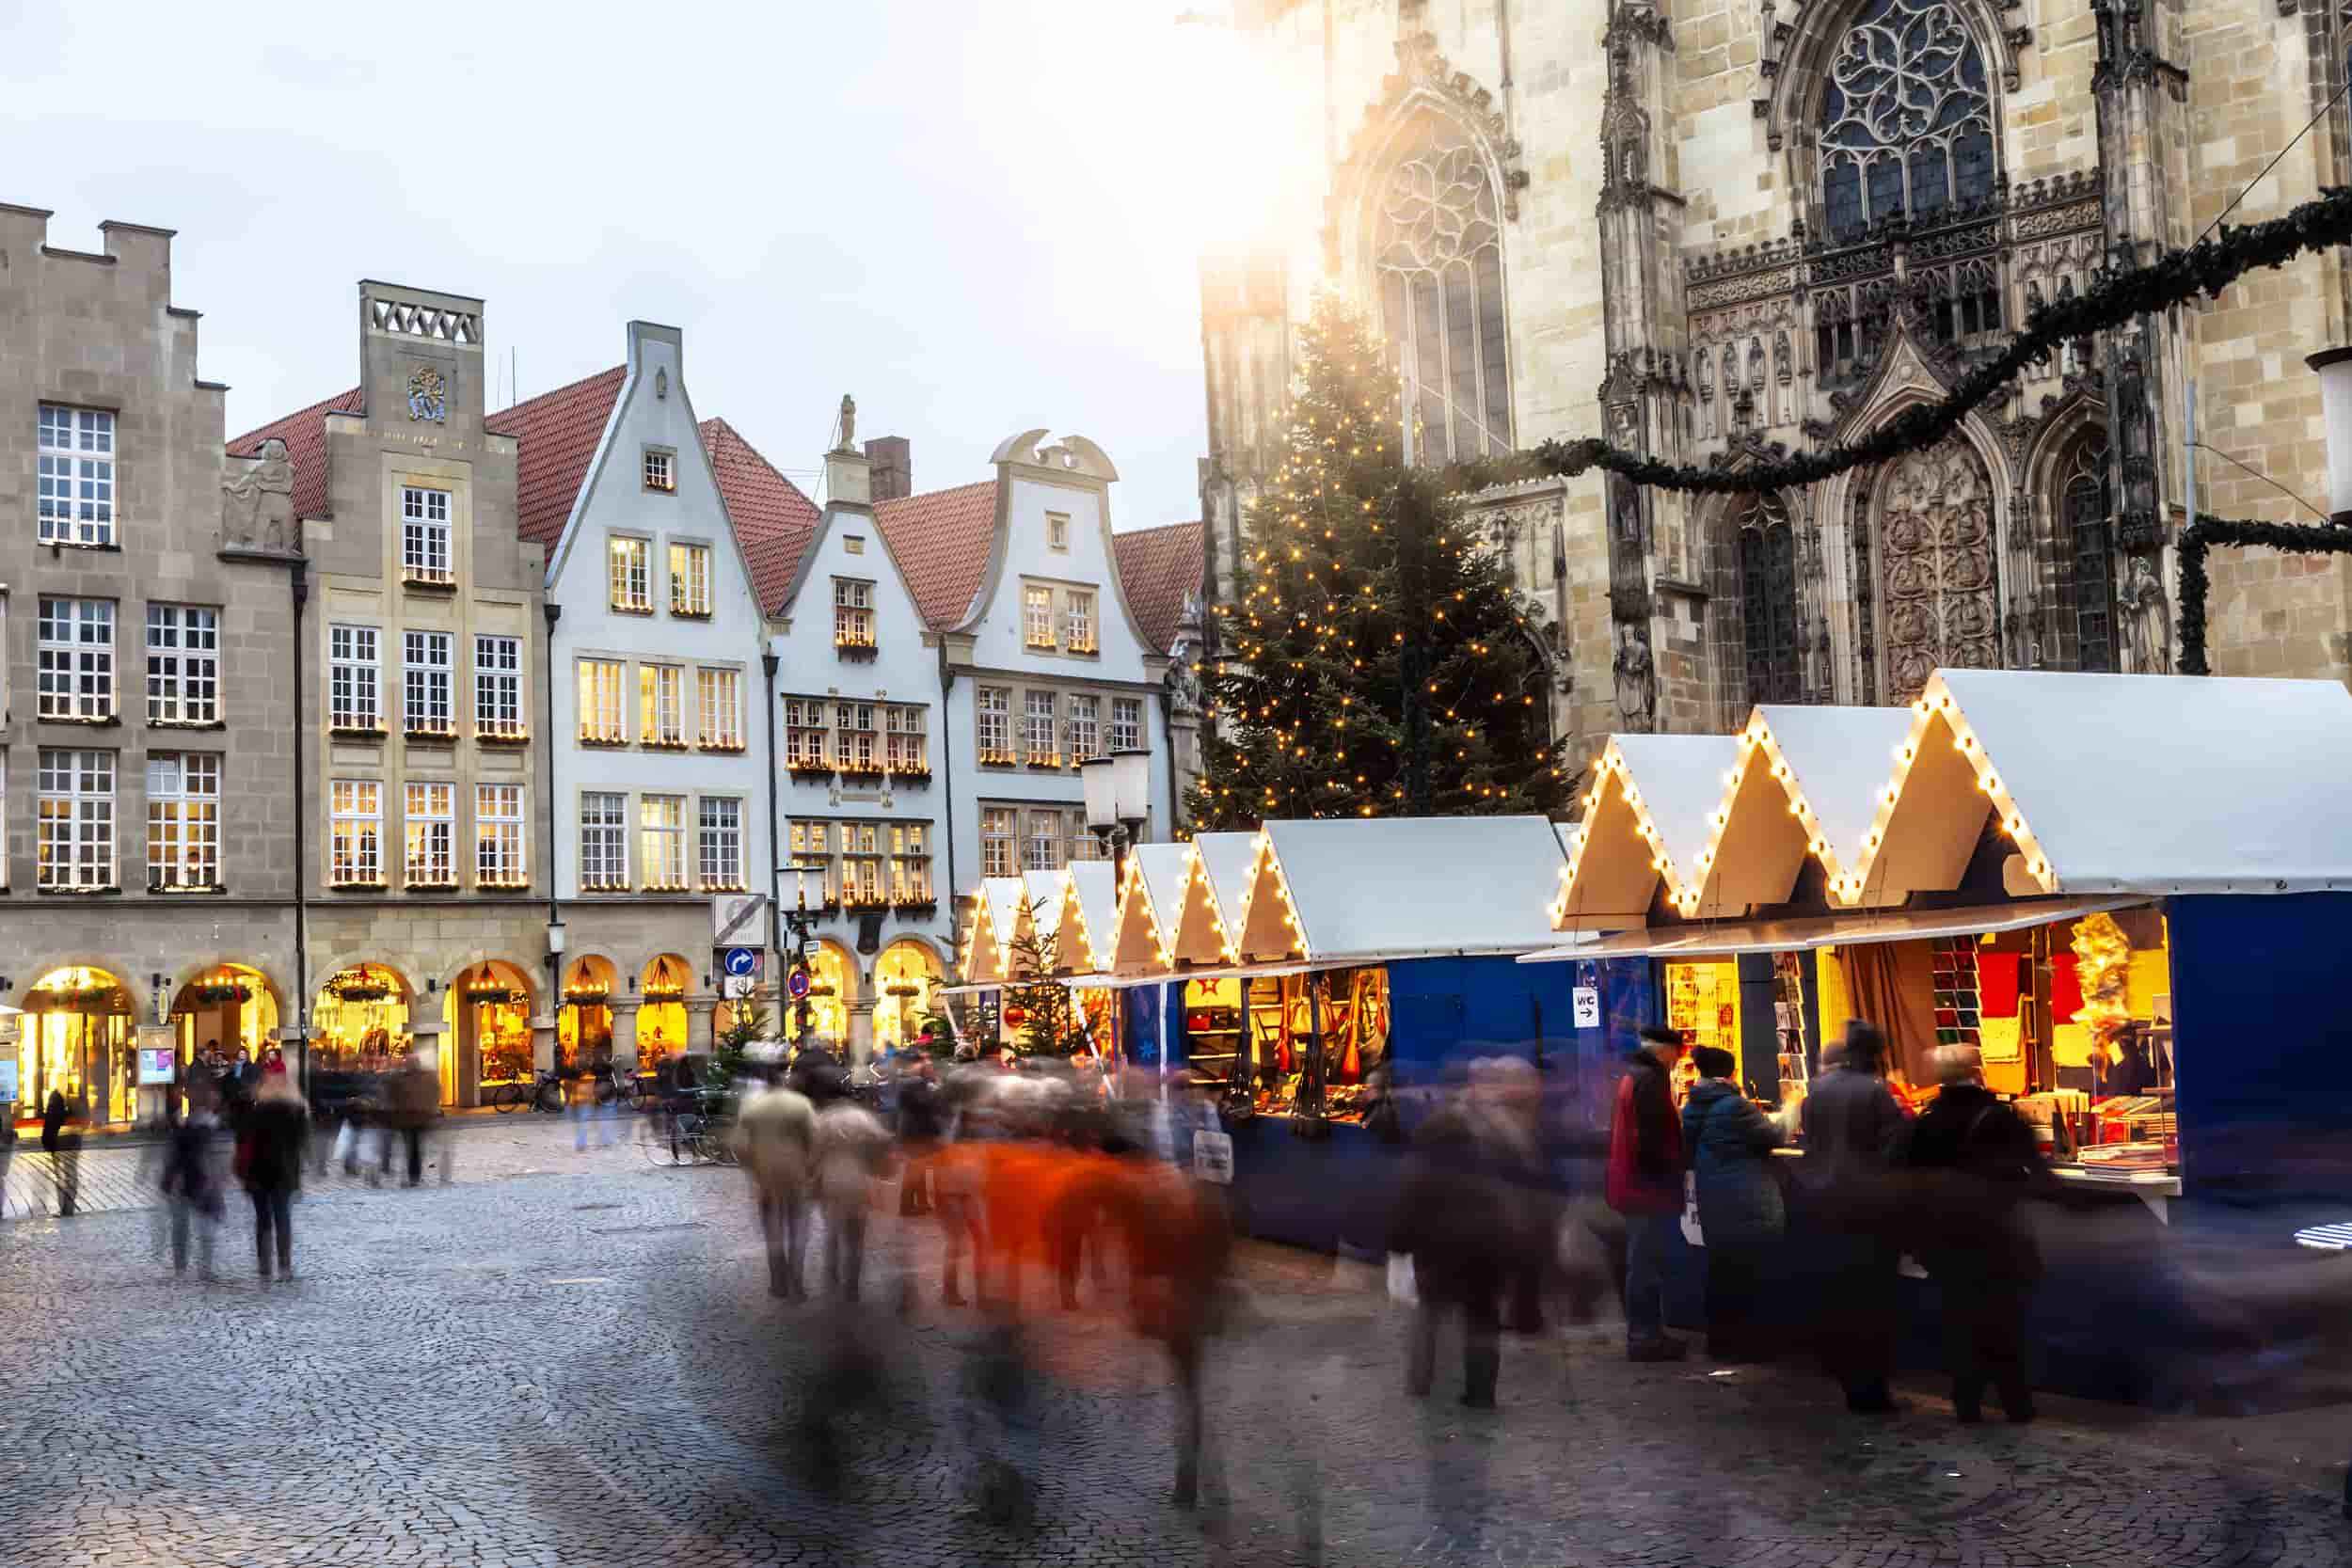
(425, 1033)
(543, 1044)
(625, 1031)
(859, 1045)
(699, 1038)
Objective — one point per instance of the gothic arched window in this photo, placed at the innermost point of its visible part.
(1907, 117)
(2086, 501)
(1938, 594)
(1768, 604)
(1438, 256)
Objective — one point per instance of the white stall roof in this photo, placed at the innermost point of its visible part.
(1840, 761)
(1041, 894)
(1647, 816)
(1851, 929)
(1094, 893)
(1371, 888)
(1164, 870)
(1226, 858)
(2161, 784)
(996, 922)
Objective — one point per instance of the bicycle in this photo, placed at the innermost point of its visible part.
(615, 1087)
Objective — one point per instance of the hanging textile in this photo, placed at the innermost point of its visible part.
(1893, 986)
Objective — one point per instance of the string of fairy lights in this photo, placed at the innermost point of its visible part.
(1319, 628)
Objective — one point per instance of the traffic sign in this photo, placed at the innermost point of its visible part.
(797, 984)
(736, 987)
(740, 961)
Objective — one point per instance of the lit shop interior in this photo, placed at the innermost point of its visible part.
(1279, 1035)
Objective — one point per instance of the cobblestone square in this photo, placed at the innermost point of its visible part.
(563, 1357)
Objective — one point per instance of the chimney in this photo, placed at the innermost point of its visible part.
(894, 468)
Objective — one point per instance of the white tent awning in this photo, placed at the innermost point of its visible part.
(1855, 929)
(1371, 888)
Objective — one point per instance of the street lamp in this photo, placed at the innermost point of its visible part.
(1118, 801)
(2335, 407)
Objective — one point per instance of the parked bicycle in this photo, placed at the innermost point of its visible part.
(696, 1138)
(544, 1092)
(616, 1088)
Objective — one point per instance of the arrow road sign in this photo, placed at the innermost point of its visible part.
(740, 961)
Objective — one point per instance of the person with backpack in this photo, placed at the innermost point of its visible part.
(1740, 1212)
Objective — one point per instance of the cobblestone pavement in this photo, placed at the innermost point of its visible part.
(572, 1359)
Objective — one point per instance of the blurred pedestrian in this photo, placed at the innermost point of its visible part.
(1851, 1127)
(853, 1148)
(1454, 1219)
(1740, 1212)
(1977, 1249)
(269, 1164)
(776, 1141)
(958, 1171)
(412, 1097)
(61, 1140)
(1645, 1184)
(1178, 1244)
(919, 1111)
(190, 1181)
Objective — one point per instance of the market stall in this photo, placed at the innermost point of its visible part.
(2020, 878)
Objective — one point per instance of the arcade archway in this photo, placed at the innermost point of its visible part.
(906, 977)
(76, 1038)
(360, 1019)
(485, 1027)
(661, 1015)
(227, 1009)
(583, 1020)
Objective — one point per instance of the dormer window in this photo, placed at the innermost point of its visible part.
(852, 613)
(661, 469)
(1056, 532)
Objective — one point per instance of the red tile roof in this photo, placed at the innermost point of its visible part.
(304, 435)
(941, 543)
(773, 520)
(1157, 567)
(556, 435)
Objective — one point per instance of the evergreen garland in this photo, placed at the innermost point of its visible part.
(2206, 268)
(2199, 538)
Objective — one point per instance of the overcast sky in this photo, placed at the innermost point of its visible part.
(978, 219)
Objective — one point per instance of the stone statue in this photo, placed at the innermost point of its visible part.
(848, 424)
(1781, 359)
(1183, 685)
(2147, 620)
(257, 506)
(1636, 678)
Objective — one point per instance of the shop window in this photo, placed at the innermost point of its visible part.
(76, 1040)
(583, 1022)
(662, 1010)
(906, 976)
(1262, 1033)
(362, 1018)
(221, 1012)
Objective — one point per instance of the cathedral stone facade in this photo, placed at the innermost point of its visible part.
(1719, 231)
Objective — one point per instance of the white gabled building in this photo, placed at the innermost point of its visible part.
(859, 784)
(1052, 638)
(660, 744)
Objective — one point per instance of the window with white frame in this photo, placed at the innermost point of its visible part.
(718, 696)
(1056, 532)
(857, 747)
(632, 575)
(603, 702)
(662, 841)
(1084, 846)
(498, 835)
(661, 705)
(690, 580)
(428, 819)
(1037, 615)
(1086, 726)
(1126, 724)
(76, 487)
(425, 705)
(1047, 846)
(498, 688)
(1037, 729)
(1077, 614)
(862, 863)
(183, 820)
(353, 692)
(812, 849)
(805, 732)
(997, 842)
(355, 828)
(661, 467)
(425, 548)
(77, 670)
(905, 748)
(182, 664)
(994, 705)
(852, 613)
(910, 864)
(603, 840)
(719, 844)
(76, 842)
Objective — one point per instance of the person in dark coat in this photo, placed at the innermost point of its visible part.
(1741, 1214)
(1852, 1125)
(59, 1140)
(269, 1164)
(1456, 1219)
(412, 1096)
(1645, 1184)
(191, 1182)
(920, 1115)
(1982, 1158)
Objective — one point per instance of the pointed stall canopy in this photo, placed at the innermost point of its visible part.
(1227, 860)
(1086, 926)
(2118, 783)
(1809, 782)
(1166, 915)
(989, 953)
(1382, 889)
(1651, 796)
(1040, 906)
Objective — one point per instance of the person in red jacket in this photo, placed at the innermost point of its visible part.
(1644, 1185)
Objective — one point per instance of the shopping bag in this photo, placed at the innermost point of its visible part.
(346, 1143)
(372, 1149)
(1403, 1287)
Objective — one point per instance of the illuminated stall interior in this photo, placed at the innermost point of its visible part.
(583, 1018)
(77, 1038)
(832, 986)
(485, 1019)
(662, 1010)
(231, 1008)
(360, 1020)
(906, 976)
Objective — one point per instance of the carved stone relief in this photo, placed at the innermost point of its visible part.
(1938, 596)
(257, 505)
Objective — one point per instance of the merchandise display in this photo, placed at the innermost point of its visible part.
(1263, 1032)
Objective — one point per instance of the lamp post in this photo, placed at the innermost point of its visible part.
(799, 923)
(2335, 408)
(1118, 801)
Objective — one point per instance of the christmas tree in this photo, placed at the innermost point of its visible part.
(1376, 661)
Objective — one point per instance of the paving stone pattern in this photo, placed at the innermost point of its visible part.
(562, 1358)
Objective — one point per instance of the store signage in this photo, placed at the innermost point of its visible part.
(1588, 1007)
(159, 1054)
(1213, 1157)
(741, 962)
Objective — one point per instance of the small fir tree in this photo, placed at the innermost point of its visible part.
(1376, 661)
(1050, 1024)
